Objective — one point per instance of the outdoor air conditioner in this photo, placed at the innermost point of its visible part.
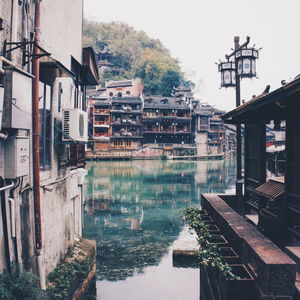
(75, 125)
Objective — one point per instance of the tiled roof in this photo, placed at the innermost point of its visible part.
(265, 98)
(95, 93)
(122, 83)
(164, 102)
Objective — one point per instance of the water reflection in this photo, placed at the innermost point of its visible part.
(132, 209)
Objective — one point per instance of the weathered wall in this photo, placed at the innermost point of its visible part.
(5, 11)
(20, 248)
(61, 29)
(214, 149)
(62, 211)
(61, 192)
(201, 143)
(2, 250)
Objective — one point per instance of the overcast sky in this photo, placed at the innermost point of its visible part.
(199, 32)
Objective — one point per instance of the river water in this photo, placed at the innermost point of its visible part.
(133, 211)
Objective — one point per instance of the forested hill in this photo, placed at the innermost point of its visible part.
(135, 54)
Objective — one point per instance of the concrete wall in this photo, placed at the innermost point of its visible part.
(214, 149)
(61, 192)
(61, 187)
(61, 29)
(62, 218)
(201, 143)
(21, 247)
(5, 12)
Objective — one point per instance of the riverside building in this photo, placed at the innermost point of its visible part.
(43, 128)
(263, 224)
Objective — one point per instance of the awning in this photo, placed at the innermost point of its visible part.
(55, 68)
(89, 74)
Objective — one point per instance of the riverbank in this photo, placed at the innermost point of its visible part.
(72, 277)
(129, 156)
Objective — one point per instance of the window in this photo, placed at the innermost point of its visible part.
(45, 106)
(110, 94)
(119, 94)
(128, 93)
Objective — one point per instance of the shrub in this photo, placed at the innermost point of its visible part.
(18, 285)
(209, 254)
(60, 280)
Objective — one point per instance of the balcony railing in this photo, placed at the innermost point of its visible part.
(101, 112)
(125, 122)
(101, 123)
(166, 131)
(160, 116)
(135, 134)
(104, 134)
(120, 110)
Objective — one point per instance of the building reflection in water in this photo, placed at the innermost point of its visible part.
(133, 208)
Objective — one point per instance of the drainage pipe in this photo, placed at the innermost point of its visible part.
(4, 60)
(14, 26)
(4, 223)
(36, 145)
(12, 217)
(6, 187)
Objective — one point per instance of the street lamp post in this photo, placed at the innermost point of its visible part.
(240, 63)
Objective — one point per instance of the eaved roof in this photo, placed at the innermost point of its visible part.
(93, 94)
(270, 101)
(122, 83)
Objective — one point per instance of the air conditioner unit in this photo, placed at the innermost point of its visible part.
(75, 125)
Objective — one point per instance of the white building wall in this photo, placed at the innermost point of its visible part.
(61, 192)
(61, 29)
(62, 212)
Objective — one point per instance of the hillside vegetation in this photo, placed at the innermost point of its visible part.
(135, 54)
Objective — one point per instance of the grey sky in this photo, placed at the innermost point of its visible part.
(199, 32)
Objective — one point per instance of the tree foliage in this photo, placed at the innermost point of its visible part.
(135, 54)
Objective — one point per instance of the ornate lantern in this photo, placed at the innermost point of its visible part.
(246, 62)
(227, 70)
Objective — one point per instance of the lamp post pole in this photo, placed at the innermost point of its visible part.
(239, 64)
(239, 179)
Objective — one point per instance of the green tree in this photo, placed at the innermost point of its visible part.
(135, 54)
(169, 80)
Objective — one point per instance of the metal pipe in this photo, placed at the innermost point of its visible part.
(12, 217)
(6, 187)
(3, 59)
(239, 180)
(3, 135)
(4, 225)
(36, 145)
(14, 26)
(36, 129)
